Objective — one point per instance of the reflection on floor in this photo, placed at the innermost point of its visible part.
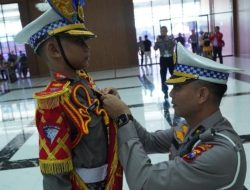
(139, 87)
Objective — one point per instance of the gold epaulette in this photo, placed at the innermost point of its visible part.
(49, 98)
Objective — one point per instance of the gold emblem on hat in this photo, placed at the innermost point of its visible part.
(71, 11)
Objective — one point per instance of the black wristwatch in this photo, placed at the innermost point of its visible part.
(123, 119)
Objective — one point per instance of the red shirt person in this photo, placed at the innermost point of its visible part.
(218, 43)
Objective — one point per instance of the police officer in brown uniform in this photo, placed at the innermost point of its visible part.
(77, 139)
(204, 152)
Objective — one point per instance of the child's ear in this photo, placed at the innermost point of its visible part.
(52, 49)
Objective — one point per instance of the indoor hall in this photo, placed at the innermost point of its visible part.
(139, 87)
(115, 63)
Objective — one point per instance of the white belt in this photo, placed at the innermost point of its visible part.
(238, 161)
(93, 175)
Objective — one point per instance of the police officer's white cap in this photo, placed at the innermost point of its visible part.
(192, 66)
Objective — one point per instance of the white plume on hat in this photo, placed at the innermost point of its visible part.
(46, 18)
(43, 6)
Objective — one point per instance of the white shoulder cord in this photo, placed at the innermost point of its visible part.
(238, 157)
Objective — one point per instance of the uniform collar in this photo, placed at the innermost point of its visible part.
(208, 122)
(211, 120)
(61, 77)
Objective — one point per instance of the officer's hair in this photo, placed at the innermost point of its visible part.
(218, 90)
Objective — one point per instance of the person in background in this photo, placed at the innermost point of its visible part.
(193, 40)
(180, 39)
(184, 36)
(207, 48)
(141, 49)
(22, 65)
(3, 68)
(77, 139)
(1, 58)
(12, 66)
(205, 152)
(12, 57)
(166, 45)
(201, 43)
(218, 43)
(147, 50)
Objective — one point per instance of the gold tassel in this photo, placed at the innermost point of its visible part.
(114, 164)
(78, 181)
(49, 103)
(56, 166)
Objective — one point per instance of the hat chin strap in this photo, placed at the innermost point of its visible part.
(63, 53)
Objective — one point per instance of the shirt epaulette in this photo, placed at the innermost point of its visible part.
(54, 89)
(50, 97)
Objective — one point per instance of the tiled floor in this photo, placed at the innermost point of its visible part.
(138, 87)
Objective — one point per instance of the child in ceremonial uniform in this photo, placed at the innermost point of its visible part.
(77, 139)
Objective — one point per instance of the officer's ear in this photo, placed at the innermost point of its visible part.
(203, 94)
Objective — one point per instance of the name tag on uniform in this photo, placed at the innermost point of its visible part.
(92, 107)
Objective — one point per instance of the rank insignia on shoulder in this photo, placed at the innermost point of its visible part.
(198, 150)
(54, 88)
(181, 132)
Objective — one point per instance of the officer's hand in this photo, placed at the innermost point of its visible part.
(114, 106)
(110, 90)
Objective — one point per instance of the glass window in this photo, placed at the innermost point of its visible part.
(4, 47)
(224, 21)
(190, 8)
(203, 23)
(160, 12)
(181, 16)
(143, 18)
(175, 8)
(9, 20)
(2, 26)
(10, 25)
(204, 6)
(222, 6)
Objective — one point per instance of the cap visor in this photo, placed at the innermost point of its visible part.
(177, 80)
(80, 33)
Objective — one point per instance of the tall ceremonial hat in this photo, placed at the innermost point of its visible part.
(192, 66)
(63, 16)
